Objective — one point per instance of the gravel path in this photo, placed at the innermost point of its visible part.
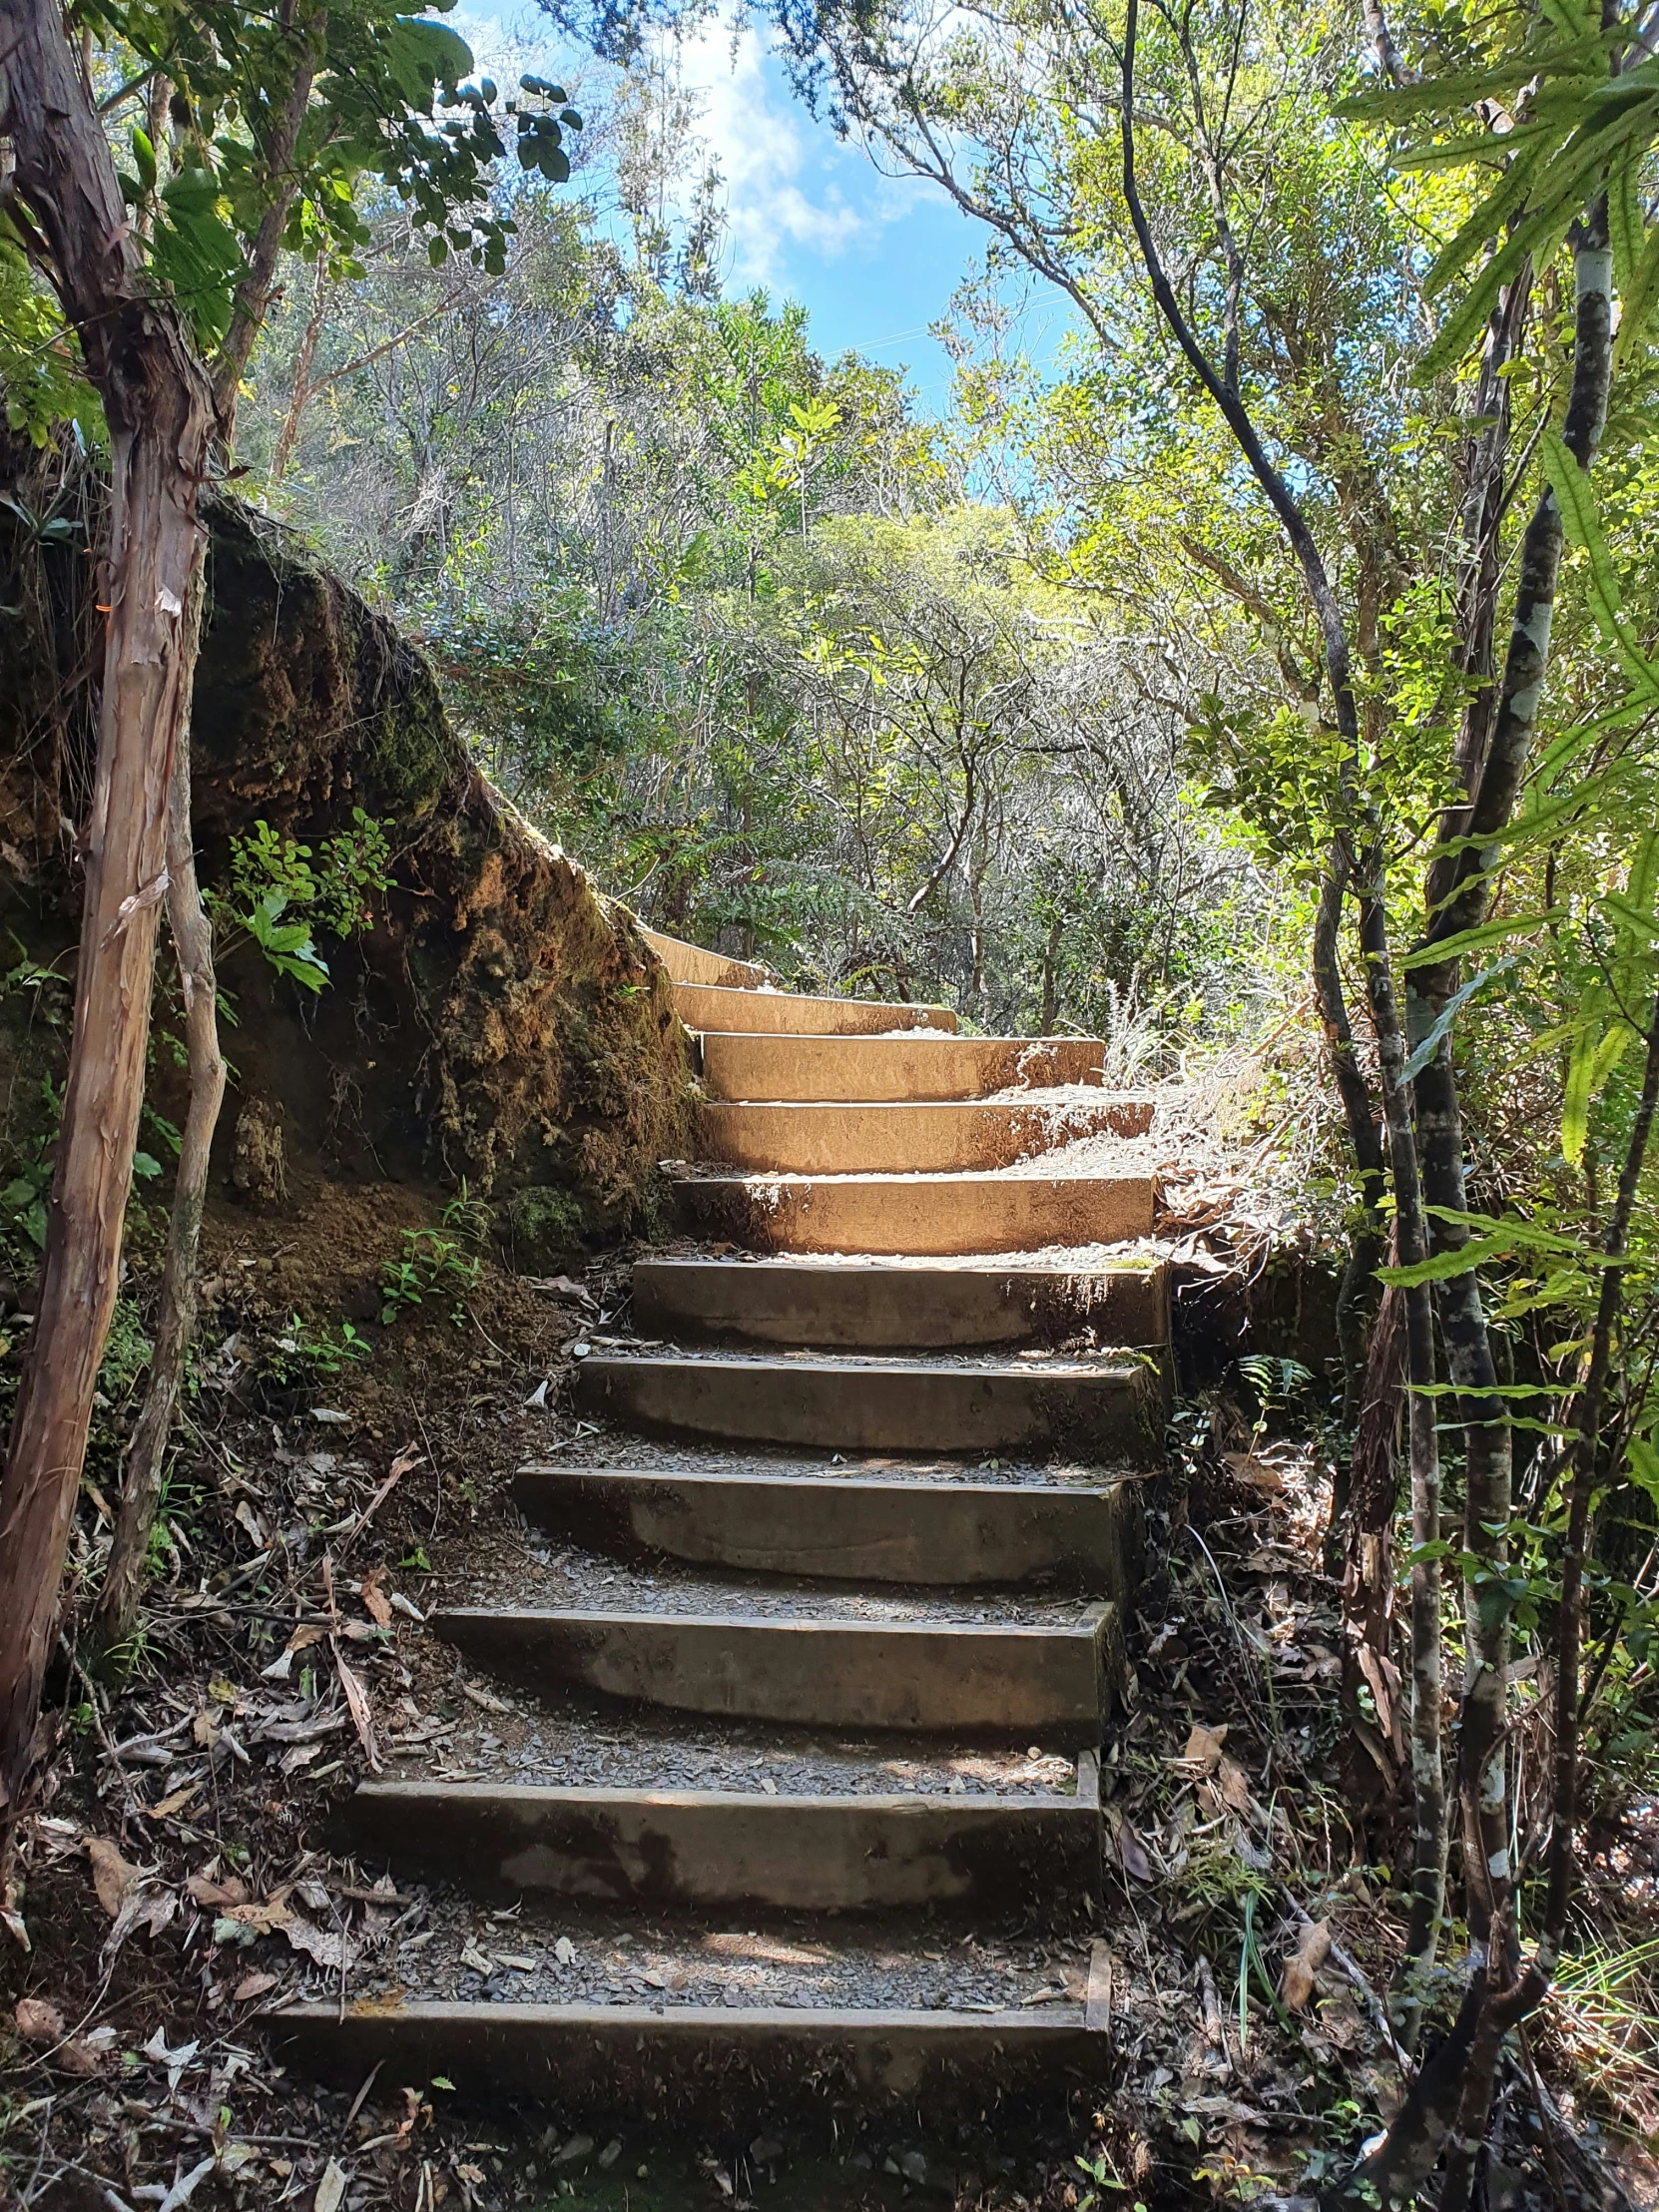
(605, 1447)
(455, 1724)
(540, 1577)
(530, 1955)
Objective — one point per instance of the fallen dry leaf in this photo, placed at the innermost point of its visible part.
(112, 1876)
(1130, 1854)
(174, 1802)
(1234, 1784)
(486, 1699)
(83, 2056)
(1259, 1473)
(217, 1893)
(357, 1705)
(1312, 1947)
(38, 2022)
(252, 1986)
(375, 1602)
(331, 2190)
(261, 1917)
(1202, 1752)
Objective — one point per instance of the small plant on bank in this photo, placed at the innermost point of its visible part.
(302, 1356)
(432, 1266)
(278, 898)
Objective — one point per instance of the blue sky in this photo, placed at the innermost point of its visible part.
(874, 258)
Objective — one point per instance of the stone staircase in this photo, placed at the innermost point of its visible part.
(860, 1511)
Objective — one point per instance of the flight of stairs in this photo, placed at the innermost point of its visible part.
(870, 1474)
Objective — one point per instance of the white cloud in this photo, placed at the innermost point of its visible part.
(778, 194)
(791, 185)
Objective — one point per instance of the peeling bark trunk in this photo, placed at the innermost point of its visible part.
(159, 410)
(141, 1487)
(141, 1482)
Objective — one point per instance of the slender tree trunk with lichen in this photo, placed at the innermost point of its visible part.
(1450, 2111)
(1429, 1841)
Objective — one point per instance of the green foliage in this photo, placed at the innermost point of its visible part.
(41, 379)
(393, 98)
(273, 876)
(432, 1266)
(307, 1354)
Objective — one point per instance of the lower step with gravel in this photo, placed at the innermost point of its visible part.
(850, 1528)
(1095, 1404)
(660, 1850)
(655, 2058)
(946, 1677)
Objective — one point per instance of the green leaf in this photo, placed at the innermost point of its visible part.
(1637, 294)
(1578, 1087)
(1576, 500)
(1627, 231)
(424, 56)
(1430, 1045)
(1486, 932)
(1487, 219)
(197, 252)
(145, 1165)
(1444, 1267)
(1468, 88)
(144, 159)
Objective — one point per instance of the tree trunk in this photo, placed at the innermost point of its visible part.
(141, 1484)
(1482, 1739)
(160, 414)
(1429, 1837)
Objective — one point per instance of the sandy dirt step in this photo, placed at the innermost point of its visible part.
(764, 1012)
(921, 1137)
(877, 1528)
(908, 1304)
(690, 963)
(876, 1068)
(675, 1850)
(971, 1680)
(841, 1404)
(918, 1215)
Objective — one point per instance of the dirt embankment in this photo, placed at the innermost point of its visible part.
(497, 1019)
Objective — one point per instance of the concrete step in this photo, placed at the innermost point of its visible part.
(760, 1013)
(878, 1068)
(876, 1305)
(961, 1678)
(925, 1216)
(845, 1404)
(845, 1527)
(666, 1849)
(927, 1137)
(657, 2058)
(690, 963)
